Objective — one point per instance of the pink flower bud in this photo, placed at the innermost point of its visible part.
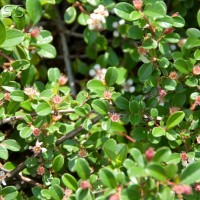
(168, 30)
(197, 187)
(149, 153)
(196, 70)
(63, 80)
(85, 185)
(137, 4)
(184, 156)
(162, 93)
(35, 32)
(114, 197)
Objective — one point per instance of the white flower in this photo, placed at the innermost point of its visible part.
(95, 22)
(102, 11)
(121, 22)
(92, 72)
(37, 148)
(2, 178)
(97, 66)
(116, 33)
(128, 87)
(173, 47)
(115, 24)
(98, 72)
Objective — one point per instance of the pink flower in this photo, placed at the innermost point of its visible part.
(161, 93)
(40, 170)
(115, 117)
(149, 153)
(196, 70)
(182, 189)
(173, 75)
(7, 96)
(30, 91)
(107, 95)
(63, 80)
(36, 132)
(57, 99)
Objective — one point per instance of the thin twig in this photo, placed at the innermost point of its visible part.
(5, 56)
(65, 49)
(127, 137)
(74, 34)
(15, 118)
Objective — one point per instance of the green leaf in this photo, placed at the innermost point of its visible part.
(25, 132)
(107, 178)
(135, 32)
(179, 22)
(192, 42)
(122, 103)
(13, 38)
(53, 74)
(47, 1)
(11, 145)
(20, 64)
(165, 22)
(123, 10)
(69, 181)
(181, 65)
(9, 193)
(162, 154)
(135, 15)
(2, 32)
(70, 15)
(197, 54)
(109, 148)
(43, 109)
(138, 157)
(155, 10)
(34, 9)
(93, 85)
(82, 19)
(46, 50)
(158, 131)
(58, 163)
(17, 95)
(134, 106)
(198, 17)
(175, 119)
(190, 174)
(82, 168)
(3, 152)
(156, 171)
(100, 106)
(56, 192)
(111, 76)
(145, 72)
(28, 76)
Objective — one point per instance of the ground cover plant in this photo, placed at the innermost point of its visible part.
(99, 99)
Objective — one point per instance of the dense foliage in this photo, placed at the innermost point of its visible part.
(99, 99)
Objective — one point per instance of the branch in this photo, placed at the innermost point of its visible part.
(5, 56)
(74, 34)
(71, 134)
(127, 137)
(65, 49)
(15, 118)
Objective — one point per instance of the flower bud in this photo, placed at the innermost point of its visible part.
(137, 4)
(149, 153)
(168, 30)
(85, 185)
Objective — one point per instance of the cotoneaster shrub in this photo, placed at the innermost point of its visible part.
(99, 100)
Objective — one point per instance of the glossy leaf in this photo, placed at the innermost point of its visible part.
(107, 178)
(58, 163)
(175, 119)
(111, 76)
(69, 181)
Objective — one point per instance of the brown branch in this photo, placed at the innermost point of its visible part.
(127, 137)
(5, 56)
(66, 58)
(149, 117)
(15, 118)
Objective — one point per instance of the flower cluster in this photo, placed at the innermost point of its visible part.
(98, 18)
(98, 73)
